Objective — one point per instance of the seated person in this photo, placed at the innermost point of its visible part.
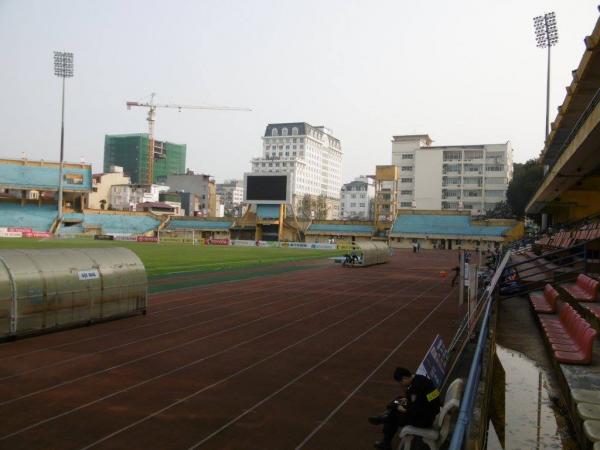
(418, 407)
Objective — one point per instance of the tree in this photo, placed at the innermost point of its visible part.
(527, 177)
(305, 207)
(321, 211)
(501, 211)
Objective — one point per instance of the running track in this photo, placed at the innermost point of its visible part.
(294, 360)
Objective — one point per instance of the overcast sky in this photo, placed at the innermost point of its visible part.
(465, 72)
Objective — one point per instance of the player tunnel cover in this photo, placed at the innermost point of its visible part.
(267, 188)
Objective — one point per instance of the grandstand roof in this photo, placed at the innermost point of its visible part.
(340, 229)
(442, 225)
(42, 175)
(570, 189)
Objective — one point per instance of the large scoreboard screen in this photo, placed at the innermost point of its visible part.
(266, 188)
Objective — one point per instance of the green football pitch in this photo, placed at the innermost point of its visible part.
(170, 258)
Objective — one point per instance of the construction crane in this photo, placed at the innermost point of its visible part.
(152, 119)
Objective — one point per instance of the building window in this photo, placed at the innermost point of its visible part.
(405, 204)
(274, 132)
(407, 156)
(295, 132)
(407, 168)
(406, 192)
(406, 180)
(352, 205)
(362, 205)
(284, 131)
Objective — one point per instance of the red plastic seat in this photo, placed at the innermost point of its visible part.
(585, 342)
(544, 301)
(585, 289)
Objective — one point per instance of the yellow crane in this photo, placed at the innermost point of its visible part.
(152, 119)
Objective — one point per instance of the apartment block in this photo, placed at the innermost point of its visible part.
(451, 177)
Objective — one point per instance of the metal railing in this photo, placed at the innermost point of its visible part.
(472, 384)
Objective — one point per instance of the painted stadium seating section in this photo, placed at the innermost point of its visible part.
(35, 177)
(267, 211)
(176, 224)
(340, 228)
(445, 225)
(116, 223)
(38, 218)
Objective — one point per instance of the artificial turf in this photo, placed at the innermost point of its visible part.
(171, 258)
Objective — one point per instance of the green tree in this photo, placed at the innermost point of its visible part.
(501, 211)
(321, 211)
(527, 177)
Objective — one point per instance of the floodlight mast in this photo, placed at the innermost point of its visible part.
(546, 35)
(63, 68)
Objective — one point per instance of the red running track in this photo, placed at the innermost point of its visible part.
(294, 360)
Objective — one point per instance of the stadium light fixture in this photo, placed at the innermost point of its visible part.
(63, 68)
(546, 36)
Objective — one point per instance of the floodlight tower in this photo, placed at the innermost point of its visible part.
(546, 36)
(63, 68)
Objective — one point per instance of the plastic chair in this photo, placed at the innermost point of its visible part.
(435, 436)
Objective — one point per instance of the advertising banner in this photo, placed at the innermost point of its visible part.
(37, 234)
(435, 361)
(11, 234)
(19, 230)
(126, 238)
(147, 239)
(213, 241)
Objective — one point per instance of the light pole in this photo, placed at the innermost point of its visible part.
(63, 68)
(546, 36)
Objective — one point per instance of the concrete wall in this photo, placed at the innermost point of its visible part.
(101, 189)
(428, 180)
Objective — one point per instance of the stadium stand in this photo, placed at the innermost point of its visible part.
(445, 229)
(38, 218)
(26, 175)
(182, 224)
(585, 289)
(443, 225)
(340, 230)
(544, 301)
(115, 223)
(267, 211)
(569, 336)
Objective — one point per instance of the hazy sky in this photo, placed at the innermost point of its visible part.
(465, 72)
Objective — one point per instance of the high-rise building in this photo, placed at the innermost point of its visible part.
(451, 177)
(130, 151)
(313, 156)
(356, 199)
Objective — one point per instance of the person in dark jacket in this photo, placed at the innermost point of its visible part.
(418, 407)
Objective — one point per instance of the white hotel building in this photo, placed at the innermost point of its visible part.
(312, 155)
(470, 177)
